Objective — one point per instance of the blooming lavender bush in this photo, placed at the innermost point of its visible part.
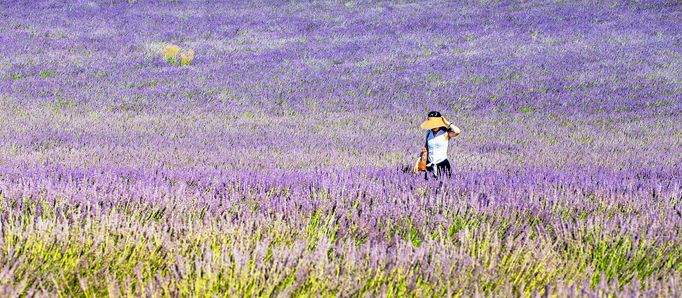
(273, 163)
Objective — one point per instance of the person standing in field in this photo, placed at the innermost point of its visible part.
(435, 151)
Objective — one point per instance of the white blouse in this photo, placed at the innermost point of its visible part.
(438, 146)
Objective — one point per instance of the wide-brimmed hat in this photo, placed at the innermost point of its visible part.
(435, 120)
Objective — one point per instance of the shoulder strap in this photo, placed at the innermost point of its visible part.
(426, 144)
(426, 141)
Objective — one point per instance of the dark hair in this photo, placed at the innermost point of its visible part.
(443, 128)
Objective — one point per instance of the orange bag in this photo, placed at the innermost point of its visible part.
(420, 165)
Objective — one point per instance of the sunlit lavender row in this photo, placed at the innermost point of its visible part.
(183, 148)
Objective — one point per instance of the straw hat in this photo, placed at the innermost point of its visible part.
(435, 120)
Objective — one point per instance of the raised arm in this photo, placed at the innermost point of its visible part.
(453, 130)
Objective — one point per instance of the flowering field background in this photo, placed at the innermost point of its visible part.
(272, 164)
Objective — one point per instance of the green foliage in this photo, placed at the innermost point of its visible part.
(101, 257)
(47, 73)
(526, 109)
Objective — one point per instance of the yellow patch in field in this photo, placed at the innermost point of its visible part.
(170, 53)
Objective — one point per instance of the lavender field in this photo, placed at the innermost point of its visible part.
(273, 162)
